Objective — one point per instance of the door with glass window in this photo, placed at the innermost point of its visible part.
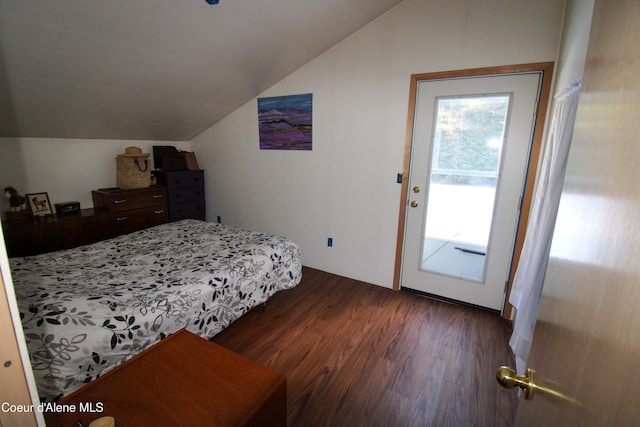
(469, 156)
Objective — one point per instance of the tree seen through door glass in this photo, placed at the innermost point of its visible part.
(465, 161)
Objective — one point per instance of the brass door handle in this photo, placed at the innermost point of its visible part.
(509, 378)
(416, 189)
(414, 204)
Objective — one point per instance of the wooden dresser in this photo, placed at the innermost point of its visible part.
(132, 210)
(50, 233)
(183, 380)
(185, 193)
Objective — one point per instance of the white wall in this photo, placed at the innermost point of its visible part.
(67, 169)
(345, 188)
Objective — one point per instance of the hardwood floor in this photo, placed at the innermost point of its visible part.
(356, 354)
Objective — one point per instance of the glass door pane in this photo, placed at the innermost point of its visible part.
(465, 163)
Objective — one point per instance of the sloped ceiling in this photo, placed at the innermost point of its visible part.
(154, 69)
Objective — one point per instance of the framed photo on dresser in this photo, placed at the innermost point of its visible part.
(39, 204)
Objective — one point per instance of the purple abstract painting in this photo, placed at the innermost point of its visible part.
(284, 122)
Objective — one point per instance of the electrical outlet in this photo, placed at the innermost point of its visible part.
(330, 241)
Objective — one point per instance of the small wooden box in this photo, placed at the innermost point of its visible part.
(19, 216)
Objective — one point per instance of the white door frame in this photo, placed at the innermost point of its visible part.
(546, 69)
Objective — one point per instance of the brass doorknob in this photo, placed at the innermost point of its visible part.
(414, 204)
(509, 378)
(416, 189)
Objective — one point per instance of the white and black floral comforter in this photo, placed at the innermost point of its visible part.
(88, 309)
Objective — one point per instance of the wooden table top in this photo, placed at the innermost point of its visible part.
(182, 380)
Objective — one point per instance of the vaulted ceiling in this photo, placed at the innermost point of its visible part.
(154, 69)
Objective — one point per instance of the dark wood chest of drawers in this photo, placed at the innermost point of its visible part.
(132, 210)
(185, 193)
(53, 232)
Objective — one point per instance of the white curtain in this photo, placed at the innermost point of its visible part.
(527, 284)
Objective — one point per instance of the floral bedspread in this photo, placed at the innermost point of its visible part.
(88, 309)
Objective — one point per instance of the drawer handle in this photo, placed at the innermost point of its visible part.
(117, 202)
(158, 196)
(159, 212)
(122, 218)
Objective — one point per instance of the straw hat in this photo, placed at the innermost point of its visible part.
(134, 152)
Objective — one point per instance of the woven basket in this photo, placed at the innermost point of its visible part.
(132, 172)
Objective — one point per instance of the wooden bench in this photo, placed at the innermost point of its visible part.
(182, 380)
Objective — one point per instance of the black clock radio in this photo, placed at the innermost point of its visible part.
(68, 208)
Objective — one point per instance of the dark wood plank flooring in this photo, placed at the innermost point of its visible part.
(356, 354)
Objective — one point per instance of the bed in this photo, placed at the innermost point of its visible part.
(88, 309)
